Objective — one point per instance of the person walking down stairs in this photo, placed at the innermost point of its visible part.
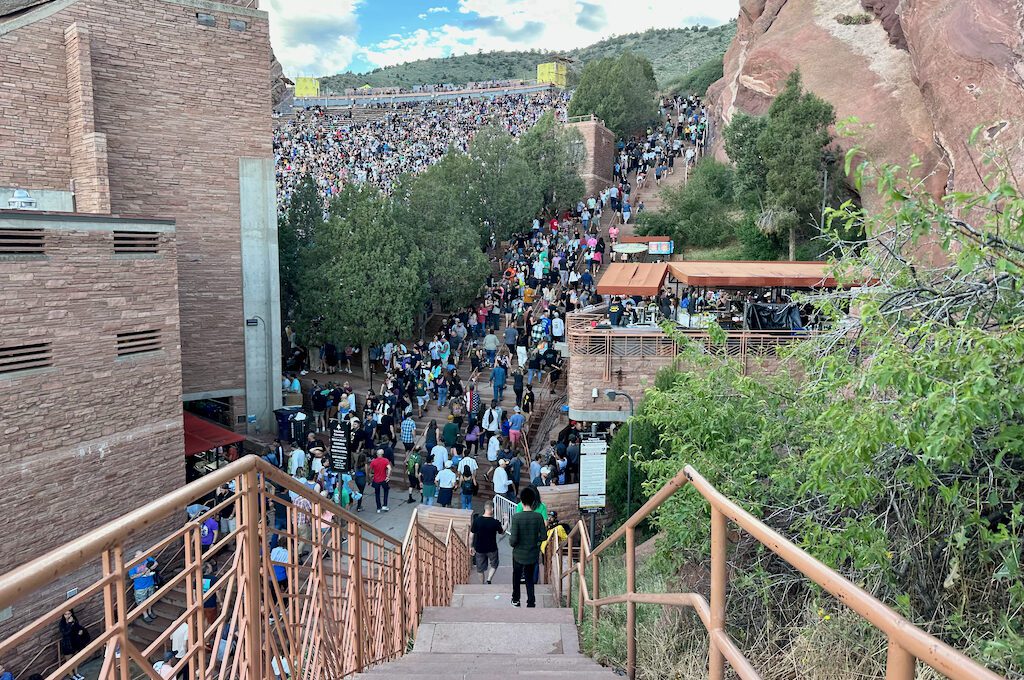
(526, 533)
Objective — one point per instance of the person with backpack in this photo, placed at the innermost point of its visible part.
(412, 469)
(526, 533)
(467, 487)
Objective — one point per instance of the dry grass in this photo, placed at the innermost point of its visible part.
(832, 644)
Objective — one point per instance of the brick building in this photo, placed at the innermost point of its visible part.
(161, 107)
(115, 108)
(599, 144)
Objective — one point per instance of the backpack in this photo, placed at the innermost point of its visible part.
(468, 487)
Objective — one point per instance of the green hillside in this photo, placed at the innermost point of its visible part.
(672, 51)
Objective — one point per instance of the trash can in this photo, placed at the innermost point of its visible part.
(285, 422)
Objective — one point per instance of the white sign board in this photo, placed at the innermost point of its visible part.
(593, 473)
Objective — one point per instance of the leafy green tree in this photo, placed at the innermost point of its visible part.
(296, 231)
(698, 213)
(741, 145)
(792, 145)
(555, 153)
(893, 451)
(780, 161)
(621, 91)
(506, 192)
(362, 281)
(431, 207)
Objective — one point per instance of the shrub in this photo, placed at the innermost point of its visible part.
(854, 19)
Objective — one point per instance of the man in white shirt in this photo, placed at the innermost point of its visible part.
(296, 461)
(470, 462)
(439, 454)
(502, 484)
(492, 449)
(557, 328)
(491, 422)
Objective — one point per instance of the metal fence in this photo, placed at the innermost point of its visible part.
(301, 587)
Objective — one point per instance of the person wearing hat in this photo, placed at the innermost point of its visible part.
(446, 480)
(515, 427)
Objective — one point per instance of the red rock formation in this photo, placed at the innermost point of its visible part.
(962, 66)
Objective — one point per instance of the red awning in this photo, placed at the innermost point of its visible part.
(202, 435)
(628, 278)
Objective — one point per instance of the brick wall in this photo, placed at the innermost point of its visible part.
(179, 104)
(599, 143)
(94, 435)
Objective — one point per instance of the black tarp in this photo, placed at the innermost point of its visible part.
(760, 316)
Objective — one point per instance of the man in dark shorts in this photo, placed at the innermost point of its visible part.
(485, 530)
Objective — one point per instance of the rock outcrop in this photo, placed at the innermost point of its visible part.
(918, 77)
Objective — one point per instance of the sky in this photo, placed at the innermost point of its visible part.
(324, 37)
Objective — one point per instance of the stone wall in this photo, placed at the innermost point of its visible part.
(599, 144)
(94, 435)
(174, 105)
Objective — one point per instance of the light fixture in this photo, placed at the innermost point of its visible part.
(21, 200)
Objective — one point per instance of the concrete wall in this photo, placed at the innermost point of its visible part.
(261, 290)
(53, 201)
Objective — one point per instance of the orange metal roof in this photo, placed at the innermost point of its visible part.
(751, 274)
(644, 239)
(633, 278)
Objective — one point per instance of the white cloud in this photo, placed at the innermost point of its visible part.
(313, 37)
(319, 37)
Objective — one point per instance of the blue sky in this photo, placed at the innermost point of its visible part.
(322, 37)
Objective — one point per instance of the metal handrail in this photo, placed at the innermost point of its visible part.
(907, 643)
(352, 602)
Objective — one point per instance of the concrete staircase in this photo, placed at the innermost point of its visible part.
(481, 635)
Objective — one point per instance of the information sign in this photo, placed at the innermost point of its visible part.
(593, 473)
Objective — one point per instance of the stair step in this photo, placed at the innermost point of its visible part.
(512, 670)
(487, 615)
(500, 638)
(497, 589)
(498, 600)
(464, 662)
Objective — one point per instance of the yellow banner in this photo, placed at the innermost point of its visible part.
(554, 72)
(307, 87)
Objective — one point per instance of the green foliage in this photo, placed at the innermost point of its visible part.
(554, 152)
(699, 79)
(672, 51)
(741, 145)
(296, 229)
(780, 161)
(430, 207)
(621, 91)
(755, 244)
(897, 456)
(362, 279)
(854, 19)
(699, 213)
(505, 192)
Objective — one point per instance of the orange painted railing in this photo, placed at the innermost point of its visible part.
(344, 596)
(565, 560)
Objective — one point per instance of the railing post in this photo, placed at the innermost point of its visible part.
(899, 664)
(403, 600)
(356, 574)
(253, 583)
(716, 667)
(595, 574)
(631, 606)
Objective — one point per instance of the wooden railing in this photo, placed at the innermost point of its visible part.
(570, 559)
(343, 597)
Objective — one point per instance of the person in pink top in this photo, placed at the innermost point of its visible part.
(613, 233)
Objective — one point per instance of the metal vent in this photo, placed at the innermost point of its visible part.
(25, 357)
(22, 242)
(131, 343)
(136, 242)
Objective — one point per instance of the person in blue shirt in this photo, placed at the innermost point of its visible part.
(498, 376)
(143, 577)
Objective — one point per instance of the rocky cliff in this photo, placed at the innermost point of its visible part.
(919, 75)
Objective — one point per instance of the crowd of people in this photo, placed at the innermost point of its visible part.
(405, 138)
